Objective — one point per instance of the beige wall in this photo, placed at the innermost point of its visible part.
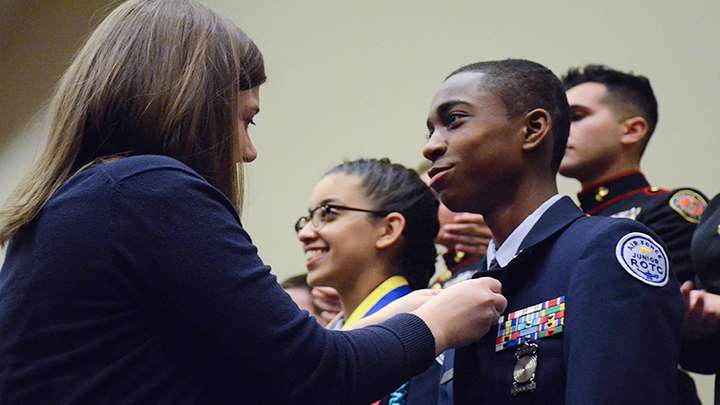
(37, 41)
(355, 79)
(352, 79)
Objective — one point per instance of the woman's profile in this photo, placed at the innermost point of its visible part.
(128, 277)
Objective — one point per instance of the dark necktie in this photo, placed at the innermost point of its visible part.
(494, 270)
(494, 266)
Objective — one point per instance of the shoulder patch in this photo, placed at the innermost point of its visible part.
(643, 258)
(689, 204)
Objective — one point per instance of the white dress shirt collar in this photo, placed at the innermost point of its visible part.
(509, 249)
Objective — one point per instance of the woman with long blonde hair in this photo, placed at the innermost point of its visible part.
(128, 277)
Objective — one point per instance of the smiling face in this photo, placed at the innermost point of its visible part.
(596, 130)
(445, 216)
(474, 147)
(345, 245)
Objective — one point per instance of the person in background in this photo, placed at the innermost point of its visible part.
(128, 277)
(613, 116)
(593, 314)
(705, 247)
(704, 304)
(297, 288)
(464, 235)
(369, 234)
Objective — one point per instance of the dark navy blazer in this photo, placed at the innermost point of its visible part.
(622, 336)
(136, 284)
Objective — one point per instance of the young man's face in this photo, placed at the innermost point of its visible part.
(472, 144)
(595, 132)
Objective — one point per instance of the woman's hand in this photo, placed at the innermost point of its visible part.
(463, 313)
(407, 303)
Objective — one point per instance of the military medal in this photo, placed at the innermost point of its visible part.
(601, 194)
(523, 327)
(530, 324)
(524, 371)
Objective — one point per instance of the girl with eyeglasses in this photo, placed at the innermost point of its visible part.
(370, 235)
(128, 278)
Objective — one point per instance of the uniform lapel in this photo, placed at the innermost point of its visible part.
(558, 217)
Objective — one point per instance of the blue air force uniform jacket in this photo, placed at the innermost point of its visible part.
(620, 338)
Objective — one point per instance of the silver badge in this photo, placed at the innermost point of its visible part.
(524, 372)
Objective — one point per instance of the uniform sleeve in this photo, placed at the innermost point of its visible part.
(701, 356)
(704, 356)
(623, 335)
(675, 220)
(705, 247)
(675, 227)
(219, 305)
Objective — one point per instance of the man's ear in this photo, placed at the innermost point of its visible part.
(635, 131)
(392, 227)
(537, 126)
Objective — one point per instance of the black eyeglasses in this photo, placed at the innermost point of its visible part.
(321, 214)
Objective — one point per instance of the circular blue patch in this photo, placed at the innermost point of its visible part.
(643, 258)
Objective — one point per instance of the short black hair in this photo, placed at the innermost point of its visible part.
(524, 85)
(624, 90)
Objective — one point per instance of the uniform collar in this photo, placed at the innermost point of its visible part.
(600, 194)
(509, 249)
(556, 218)
(558, 215)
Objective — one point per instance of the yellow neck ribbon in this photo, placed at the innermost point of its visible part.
(387, 292)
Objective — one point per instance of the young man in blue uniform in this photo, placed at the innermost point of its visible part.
(593, 314)
(613, 116)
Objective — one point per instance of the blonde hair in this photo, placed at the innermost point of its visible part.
(155, 77)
